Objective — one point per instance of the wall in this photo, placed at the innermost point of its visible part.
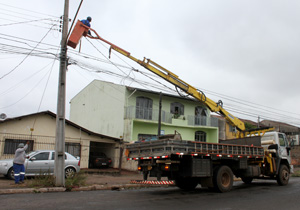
(99, 107)
(140, 126)
(296, 156)
(187, 133)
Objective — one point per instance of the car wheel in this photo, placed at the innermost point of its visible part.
(70, 172)
(11, 174)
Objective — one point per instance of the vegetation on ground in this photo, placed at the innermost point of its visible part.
(296, 174)
(41, 181)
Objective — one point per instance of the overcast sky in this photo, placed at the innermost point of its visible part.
(243, 52)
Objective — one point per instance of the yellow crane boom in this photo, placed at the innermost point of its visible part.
(172, 78)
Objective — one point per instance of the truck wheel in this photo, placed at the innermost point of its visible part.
(186, 183)
(247, 180)
(223, 179)
(283, 175)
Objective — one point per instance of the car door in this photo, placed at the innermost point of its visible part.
(38, 163)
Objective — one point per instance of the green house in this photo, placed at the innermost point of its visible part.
(133, 113)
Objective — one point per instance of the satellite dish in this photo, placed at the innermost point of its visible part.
(2, 116)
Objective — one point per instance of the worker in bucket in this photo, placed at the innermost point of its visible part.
(87, 22)
(18, 163)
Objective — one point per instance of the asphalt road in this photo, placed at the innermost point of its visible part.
(259, 195)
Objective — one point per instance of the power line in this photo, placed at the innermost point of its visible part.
(25, 94)
(240, 110)
(13, 87)
(28, 21)
(24, 58)
(31, 11)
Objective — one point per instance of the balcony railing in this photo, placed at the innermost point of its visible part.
(133, 112)
(202, 121)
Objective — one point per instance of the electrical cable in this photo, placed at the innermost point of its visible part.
(31, 11)
(25, 94)
(44, 90)
(24, 58)
(13, 87)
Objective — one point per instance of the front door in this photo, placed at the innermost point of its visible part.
(283, 144)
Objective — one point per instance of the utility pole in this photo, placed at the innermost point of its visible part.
(258, 121)
(59, 169)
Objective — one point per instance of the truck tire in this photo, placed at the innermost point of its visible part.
(283, 175)
(223, 179)
(186, 183)
(247, 180)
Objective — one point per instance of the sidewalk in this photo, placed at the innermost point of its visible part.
(97, 179)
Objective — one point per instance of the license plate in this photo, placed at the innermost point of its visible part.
(104, 164)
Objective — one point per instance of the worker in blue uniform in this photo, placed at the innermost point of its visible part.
(87, 22)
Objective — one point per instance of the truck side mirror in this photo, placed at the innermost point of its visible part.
(273, 146)
(292, 144)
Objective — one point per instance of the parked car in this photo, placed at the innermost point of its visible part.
(99, 160)
(39, 163)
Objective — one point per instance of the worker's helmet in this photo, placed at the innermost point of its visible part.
(21, 145)
(89, 18)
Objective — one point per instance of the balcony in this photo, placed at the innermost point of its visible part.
(202, 121)
(131, 112)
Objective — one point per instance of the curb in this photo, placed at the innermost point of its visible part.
(63, 189)
(32, 190)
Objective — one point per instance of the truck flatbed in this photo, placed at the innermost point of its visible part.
(167, 147)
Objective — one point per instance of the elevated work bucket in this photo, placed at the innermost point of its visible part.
(79, 30)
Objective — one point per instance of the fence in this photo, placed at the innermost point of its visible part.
(75, 146)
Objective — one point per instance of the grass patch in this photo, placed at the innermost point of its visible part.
(77, 180)
(41, 181)
(296, 174)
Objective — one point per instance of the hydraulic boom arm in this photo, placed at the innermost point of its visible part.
(175, 80)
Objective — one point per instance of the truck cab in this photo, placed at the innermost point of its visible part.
(270, 139)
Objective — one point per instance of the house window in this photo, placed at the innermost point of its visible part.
(11, 145)
(177, 109)
(143, 108)
(73, 148)
(200, 115)
(200, 136)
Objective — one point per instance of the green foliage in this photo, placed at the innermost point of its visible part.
(41, 181)
(296, 174)
(249, 126)
(76, 181)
